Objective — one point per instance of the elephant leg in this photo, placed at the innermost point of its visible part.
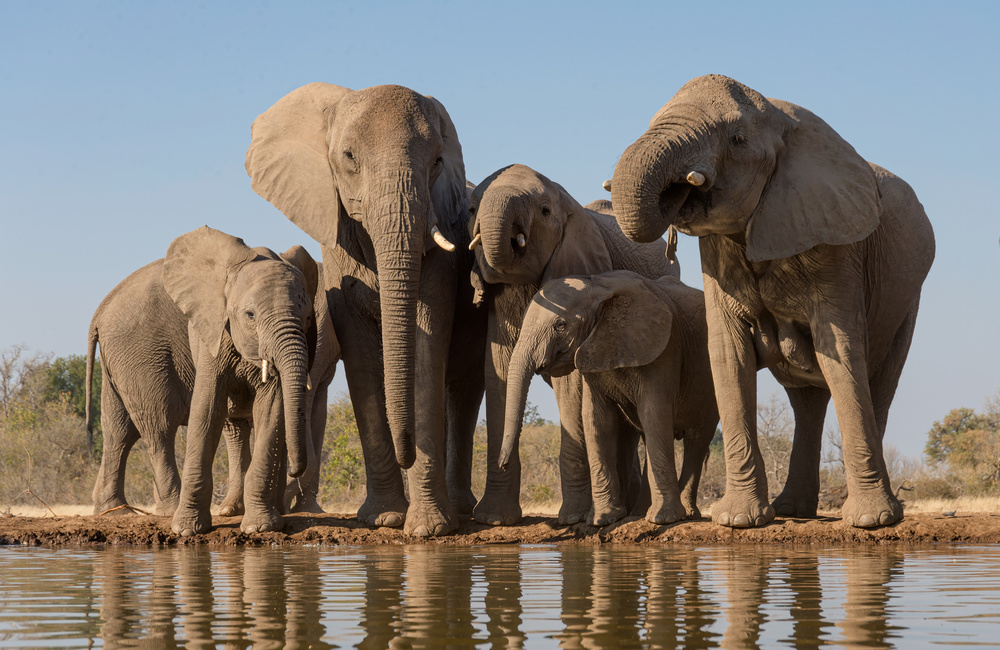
(800, 496)
(120, 434)
(574, 466)
(236, 432)
(159, 439)
(265, 478)
(385, 502)
(302, 493)
(463, 397)
(837, 334)
(885, 380)
(734, 372)
(697, 441)
(598, 422)
(500, 504)
(630, 471)
(657, 416)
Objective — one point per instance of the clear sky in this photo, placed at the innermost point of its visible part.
(125, 124)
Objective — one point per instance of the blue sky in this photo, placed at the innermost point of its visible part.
(124, 125)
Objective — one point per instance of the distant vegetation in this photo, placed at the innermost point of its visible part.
(43, 448)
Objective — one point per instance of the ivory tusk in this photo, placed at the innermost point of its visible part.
(476, 241)
(607, 185)
(309, 384)
(520, 239)
(695, 178)
(263, 370)
(440, 240)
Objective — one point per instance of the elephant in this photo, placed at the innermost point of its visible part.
(214, 331)
(812, 259)
(526, 230)
(641, 346)
(376, 176)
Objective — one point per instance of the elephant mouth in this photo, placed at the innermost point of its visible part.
(681, 204)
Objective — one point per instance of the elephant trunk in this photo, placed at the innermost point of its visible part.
(502, 218)
(523, 366)
(398, 252)
(291, 360)
(650, 185)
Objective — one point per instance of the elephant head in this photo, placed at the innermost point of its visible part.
(719, 158)
(380, 166)
(532, 230)
(262, 300)
(587, 323)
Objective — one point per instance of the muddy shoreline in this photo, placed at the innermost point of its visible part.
(341, 530)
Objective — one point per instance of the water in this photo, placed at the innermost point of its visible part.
(504, 597)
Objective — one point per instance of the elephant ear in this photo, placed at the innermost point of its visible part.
(300, 258)
(821, 192)
(450, 193)
(631, 327)
(582, 250)
(195, 272)
(288, 159)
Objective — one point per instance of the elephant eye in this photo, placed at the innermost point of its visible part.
(546, 211)
(559, 325)
(472, 209)
(250, 314)
(439, 161)
(739, 139)
(349, 155)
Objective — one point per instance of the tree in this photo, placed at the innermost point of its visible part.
(967, 445)
(67, 376)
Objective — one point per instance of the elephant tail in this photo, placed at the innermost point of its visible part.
(88, 384)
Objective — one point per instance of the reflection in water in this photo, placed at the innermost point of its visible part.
(653, 596)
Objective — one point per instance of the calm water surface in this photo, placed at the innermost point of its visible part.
(527, 596)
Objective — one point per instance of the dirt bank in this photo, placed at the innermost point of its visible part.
(332, 529)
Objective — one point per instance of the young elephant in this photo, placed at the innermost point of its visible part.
(214, 331)
(642, 348)
(532, 230)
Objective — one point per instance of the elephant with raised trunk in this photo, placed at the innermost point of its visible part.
(641, 347)
(376, 176)
(215, 332)
(527, 230)
(813, 260)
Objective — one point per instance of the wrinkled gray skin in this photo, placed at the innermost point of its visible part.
(561, 238)
(813, 261)
(371, 174)
(183, 341)
(641, 346)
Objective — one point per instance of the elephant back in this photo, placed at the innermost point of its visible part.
(649, 260)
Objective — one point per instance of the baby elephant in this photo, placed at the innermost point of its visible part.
(215, 331)
(641, 346)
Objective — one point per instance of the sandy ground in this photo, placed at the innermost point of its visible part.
(339, 529)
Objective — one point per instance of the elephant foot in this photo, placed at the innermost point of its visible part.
(428, 521)
(802, 506)
(666, 512)
(189, 522)
(742, 510)
(574, 509)
(498, 510)
(231, 507)
(464, 502)
(262, 521)
(603, 517)
(871, 508)
(310, 505)
(383, 512)
(166, 508)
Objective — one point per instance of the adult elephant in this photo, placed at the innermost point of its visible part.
(376, 176)
(812, 260)
(215, 331)
(532, 230)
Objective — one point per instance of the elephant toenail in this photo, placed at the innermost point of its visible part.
(741, 521)
(865, 521)
(885, 518)
(187, 532)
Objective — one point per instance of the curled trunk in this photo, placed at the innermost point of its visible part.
(649, 187)
(291, 362)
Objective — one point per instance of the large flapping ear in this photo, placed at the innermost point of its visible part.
(582, 250)
(821, 192)
(450, 194)
(631, 325)
(195, 272)
(288, 159)
(300, 258)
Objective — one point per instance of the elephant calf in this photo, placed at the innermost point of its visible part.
(214, 332)
(641, 346)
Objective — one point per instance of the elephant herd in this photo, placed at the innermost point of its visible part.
(434, 291)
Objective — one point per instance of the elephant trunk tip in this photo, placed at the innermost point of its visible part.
(406, 457)
(296, 466)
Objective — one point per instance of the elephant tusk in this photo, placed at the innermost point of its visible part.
(695, 178)
(607, 185)
(309, 384)
(476, 241)
(520, 239)
(440, 240)
(263, 370)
